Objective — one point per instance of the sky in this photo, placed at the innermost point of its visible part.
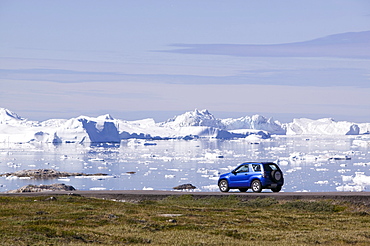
(137, 59)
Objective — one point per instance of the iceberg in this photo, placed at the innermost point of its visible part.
(326, 126)
(190, 125)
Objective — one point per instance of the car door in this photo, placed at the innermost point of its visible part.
(240, 177)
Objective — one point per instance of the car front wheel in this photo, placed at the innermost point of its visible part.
(224, 186)
(256, 186)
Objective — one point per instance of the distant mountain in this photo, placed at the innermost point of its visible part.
(190, 125)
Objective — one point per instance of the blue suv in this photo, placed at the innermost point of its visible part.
(253, 175)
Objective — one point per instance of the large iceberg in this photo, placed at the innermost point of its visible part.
(326, 126)
(193, 124)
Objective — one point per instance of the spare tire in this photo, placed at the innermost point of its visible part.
(276, 175)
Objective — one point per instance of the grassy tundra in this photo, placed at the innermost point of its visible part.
(181, 220)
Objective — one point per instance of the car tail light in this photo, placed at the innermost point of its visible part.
(264, 174)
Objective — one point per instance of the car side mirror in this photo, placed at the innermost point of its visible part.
(233, 172)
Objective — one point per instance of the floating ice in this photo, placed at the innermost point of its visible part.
(210, 187)
(325, 182)
(97, 188)
(322, 169)
(349, 188)
(361, 179)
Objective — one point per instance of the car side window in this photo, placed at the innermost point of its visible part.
(256, 167)
(242, 169)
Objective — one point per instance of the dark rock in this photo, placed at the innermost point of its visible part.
(185, 187)
(41, 188)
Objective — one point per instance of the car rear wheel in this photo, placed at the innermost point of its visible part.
(243, 189)
(224, 186)
(277, 189)
(256, 186)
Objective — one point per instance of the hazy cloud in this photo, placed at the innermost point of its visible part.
(347, 45)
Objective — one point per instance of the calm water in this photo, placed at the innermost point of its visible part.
(309, 163)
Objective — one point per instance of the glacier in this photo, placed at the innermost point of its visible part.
(190, 125)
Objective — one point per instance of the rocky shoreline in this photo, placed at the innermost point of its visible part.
(46, 174)
(43, 188)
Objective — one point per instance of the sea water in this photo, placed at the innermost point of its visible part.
(309, 163)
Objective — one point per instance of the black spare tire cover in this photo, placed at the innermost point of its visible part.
(276, 175)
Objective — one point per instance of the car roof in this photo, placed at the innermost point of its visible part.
(257, 162)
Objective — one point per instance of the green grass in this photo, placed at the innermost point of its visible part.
(181, 220)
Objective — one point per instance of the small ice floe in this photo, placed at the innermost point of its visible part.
(11, 178)
(137, 142)
(361, 179)
(169, 176)
(97, 188)
(298, 156)
(148, 188)
(293, 169)
(282, 162)
(95, 177)
(24, 177)
(361, 164)
(12, 165)
(64, 179)
(253, 139)
(96, 159)
(325, 182)
(349, 188)
(360, 143)
(322, 169)
(210, 187)
(63, 157)
(213, 177)
(174, 170)
(347, 178)
(212, 156)
(148, 156)
(165, 158)
(344, 170)
(357, 183)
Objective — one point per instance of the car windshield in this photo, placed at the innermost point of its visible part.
(242, 169)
